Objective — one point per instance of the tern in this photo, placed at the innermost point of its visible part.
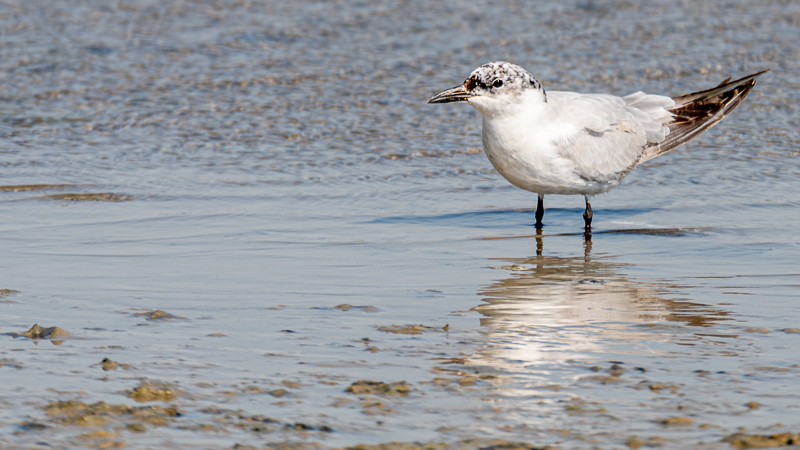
(582, 144)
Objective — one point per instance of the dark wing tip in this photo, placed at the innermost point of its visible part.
(695, 113)
(723, 87)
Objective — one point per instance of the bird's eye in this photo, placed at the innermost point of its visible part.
(497, 83)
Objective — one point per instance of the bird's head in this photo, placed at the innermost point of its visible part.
(495, 87)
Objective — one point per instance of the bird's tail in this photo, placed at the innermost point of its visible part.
(695, 113)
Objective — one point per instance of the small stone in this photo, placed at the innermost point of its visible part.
(467, 381)
(158, 315)
(108, 364)
(152, 392)
(278, 393)
(682, 420)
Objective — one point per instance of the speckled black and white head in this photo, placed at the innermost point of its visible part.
(494, 86)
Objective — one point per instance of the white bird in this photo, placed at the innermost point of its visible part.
(570, 143)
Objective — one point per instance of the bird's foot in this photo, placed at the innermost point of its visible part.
(587, 217)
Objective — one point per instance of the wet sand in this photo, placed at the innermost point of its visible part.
(238, 225)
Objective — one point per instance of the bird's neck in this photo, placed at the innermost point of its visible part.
(505, 130)
(530, 104)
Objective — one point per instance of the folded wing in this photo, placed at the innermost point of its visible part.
(608, 136)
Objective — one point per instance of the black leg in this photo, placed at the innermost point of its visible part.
(587, 216)
(539, 211)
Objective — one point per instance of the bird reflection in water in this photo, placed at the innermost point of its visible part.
(559, 308)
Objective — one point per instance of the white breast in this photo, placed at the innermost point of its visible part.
(524, 150)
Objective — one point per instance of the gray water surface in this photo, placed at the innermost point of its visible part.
(253, 168)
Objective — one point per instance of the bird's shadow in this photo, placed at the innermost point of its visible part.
(505, 218)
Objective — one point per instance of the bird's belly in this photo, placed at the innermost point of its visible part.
(541, 172)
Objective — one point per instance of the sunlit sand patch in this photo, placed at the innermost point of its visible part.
(154, 392)
(158, 315)
(78, 413)
(348, 307)
(35, 187)
(411, 329)
(100, 439)
(100, 197)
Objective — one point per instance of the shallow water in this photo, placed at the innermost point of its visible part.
(251, 167)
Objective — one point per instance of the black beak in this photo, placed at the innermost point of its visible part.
(456, 94)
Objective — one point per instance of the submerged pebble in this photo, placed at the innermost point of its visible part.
(153, 392)
(745, 441)
(158, 315)
(681, 420)
(37, 332)
(108, 364)
(348, 307)
(379, 387)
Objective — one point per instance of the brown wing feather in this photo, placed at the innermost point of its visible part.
(697, 112)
